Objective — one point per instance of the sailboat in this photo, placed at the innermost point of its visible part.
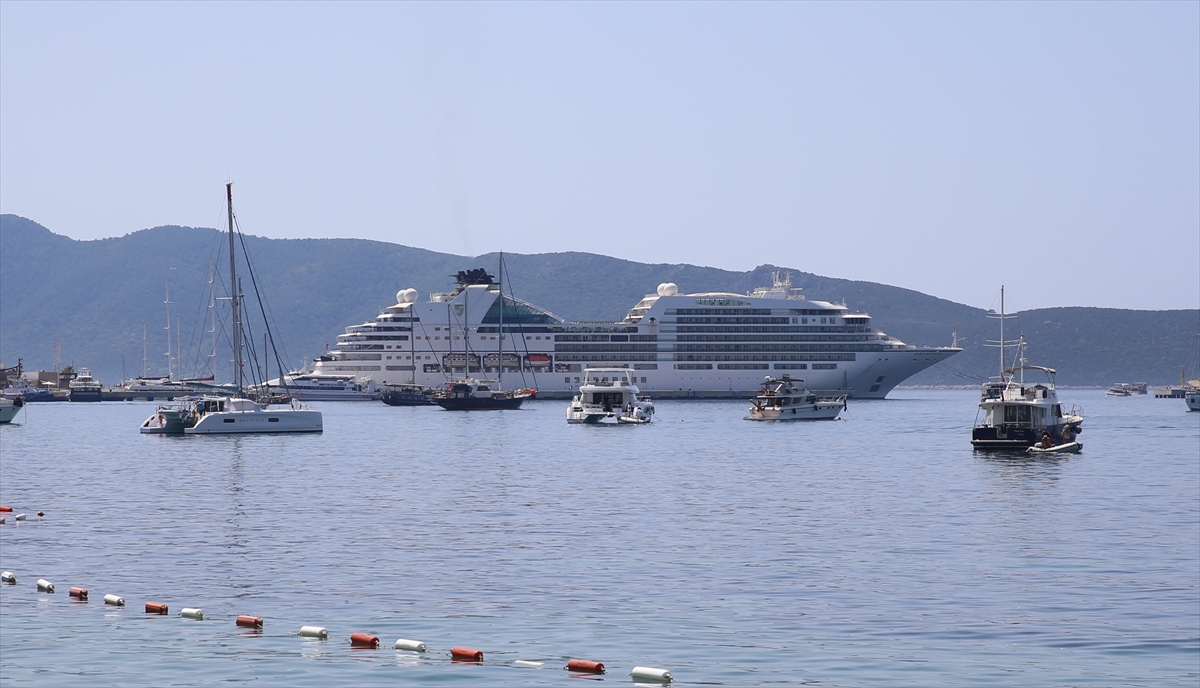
(211, 415)
(471, 394)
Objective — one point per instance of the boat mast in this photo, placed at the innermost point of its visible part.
(167, 301)
(212, 311)
(500, 339)
(1001, 331)
(143, 348)
(233, 296)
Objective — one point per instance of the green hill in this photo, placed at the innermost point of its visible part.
(94, 296)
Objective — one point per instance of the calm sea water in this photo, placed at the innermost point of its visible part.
(880, 550)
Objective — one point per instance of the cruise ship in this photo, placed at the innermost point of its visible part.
(708, 345)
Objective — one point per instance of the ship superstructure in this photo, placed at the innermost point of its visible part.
(705, 345)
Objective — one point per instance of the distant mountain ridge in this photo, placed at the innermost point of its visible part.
(93, 297)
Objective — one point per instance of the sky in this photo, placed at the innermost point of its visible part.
(944, 147)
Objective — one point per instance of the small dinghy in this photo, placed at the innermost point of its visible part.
(1065, 448)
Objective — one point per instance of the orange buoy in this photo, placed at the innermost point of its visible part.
(78, 593)
(250, 621)
(156, 608)
(5, 509)
(364, 640)
(466, 654)
(586, 666)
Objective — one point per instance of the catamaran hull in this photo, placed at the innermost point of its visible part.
(164, 422)
(239, 422)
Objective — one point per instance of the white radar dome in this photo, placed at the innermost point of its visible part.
(406, 296)
(668, 289)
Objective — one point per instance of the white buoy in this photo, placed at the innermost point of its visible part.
(8, 577)
(45, 585)
(410, 645)
(192, 613)
(19, 517)
(313, 632)
(115, 600)
(527, 663)
(650, 674)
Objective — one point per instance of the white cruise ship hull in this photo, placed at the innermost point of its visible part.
(702, 346)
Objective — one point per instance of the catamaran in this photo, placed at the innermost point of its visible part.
(209, 415)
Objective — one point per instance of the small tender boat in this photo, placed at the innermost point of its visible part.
(788, 399)
(608, 396)
(1064, 448)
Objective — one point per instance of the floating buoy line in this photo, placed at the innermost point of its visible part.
(358, 640)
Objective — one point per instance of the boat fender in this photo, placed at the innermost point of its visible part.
(410, 645)
(78, 593)
(650, 674)
(586, 666)
(8, 577)
(45, 585)
(249, 621)
(466, 654)
(114, 600)
(192, 613)
(314, 632)
(364, 640)
(157, 608)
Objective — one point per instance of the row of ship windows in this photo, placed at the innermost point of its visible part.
(777, 347)
(745, 311)
(769, 338)
(756, 321)
(780, 357)
(753, 366)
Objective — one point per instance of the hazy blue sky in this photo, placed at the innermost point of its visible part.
(944, 147)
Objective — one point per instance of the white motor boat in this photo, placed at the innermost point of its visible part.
(788, 399)
(1192, 398)
(9, 408)
(324, 387)
(1015, 414)
(608, 396)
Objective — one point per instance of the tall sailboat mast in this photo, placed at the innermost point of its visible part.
(233, 295)
(167, 301)
(1001, 329)
(500, 330)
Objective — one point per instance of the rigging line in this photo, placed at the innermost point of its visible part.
(262, 310)
(521, 325)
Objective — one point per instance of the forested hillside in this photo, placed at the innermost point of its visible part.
(94, 296)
